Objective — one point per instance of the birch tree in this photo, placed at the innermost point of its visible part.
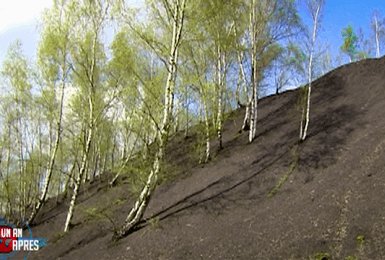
(377, 25)
(242, 79)
(88, 57)
(139, 102)
(206, 57)
(316, 10)
(217, 23)
(255, 35)
(326, 59)
(196, 64)
(269, 22)
(175, 11)
(54, 62)
(18, 113)
(284, 69)
(240, 17)
(364, 45)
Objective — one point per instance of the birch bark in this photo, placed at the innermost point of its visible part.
(310, 69)
(47, 181)
(137, 211)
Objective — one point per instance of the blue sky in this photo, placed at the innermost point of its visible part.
(19, 18)
(339, 13)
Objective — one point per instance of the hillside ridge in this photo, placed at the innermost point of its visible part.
(222, 210)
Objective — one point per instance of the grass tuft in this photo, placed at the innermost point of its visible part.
(320, 256)
(284, 178)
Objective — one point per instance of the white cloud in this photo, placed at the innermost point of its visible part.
(16, 12)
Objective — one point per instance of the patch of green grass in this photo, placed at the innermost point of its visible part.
(283, 179)
(94, 214)
(273, 191)
(320, 256)
(154, 221)
(118, 201)
(360, 240)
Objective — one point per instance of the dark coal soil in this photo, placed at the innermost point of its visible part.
(330, 206)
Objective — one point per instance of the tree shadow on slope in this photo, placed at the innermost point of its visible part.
(271, 118)
(333, 118)
(328, 133)
(330, 128)
(277, 118)
(217, 189)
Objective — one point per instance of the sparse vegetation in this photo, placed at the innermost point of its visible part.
(87, 108)
(95, 214)
(118, 201)
(57, 237)
(360, 240)
(280, 182)
(227, 196)
(154, 221)
(320, 256)
(292, 166)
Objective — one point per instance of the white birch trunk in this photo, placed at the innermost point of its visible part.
(91, 126)
(48, 177)
(137, 211)
(219, 95)
(241, 78)
(310, 71)
(253, 114)
(377, 41)
(78, 181)
(207, 155)
(83, 168)
(246, 120)
(176, 116)
(254, 97)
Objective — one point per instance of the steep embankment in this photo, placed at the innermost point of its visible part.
(330, 204)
